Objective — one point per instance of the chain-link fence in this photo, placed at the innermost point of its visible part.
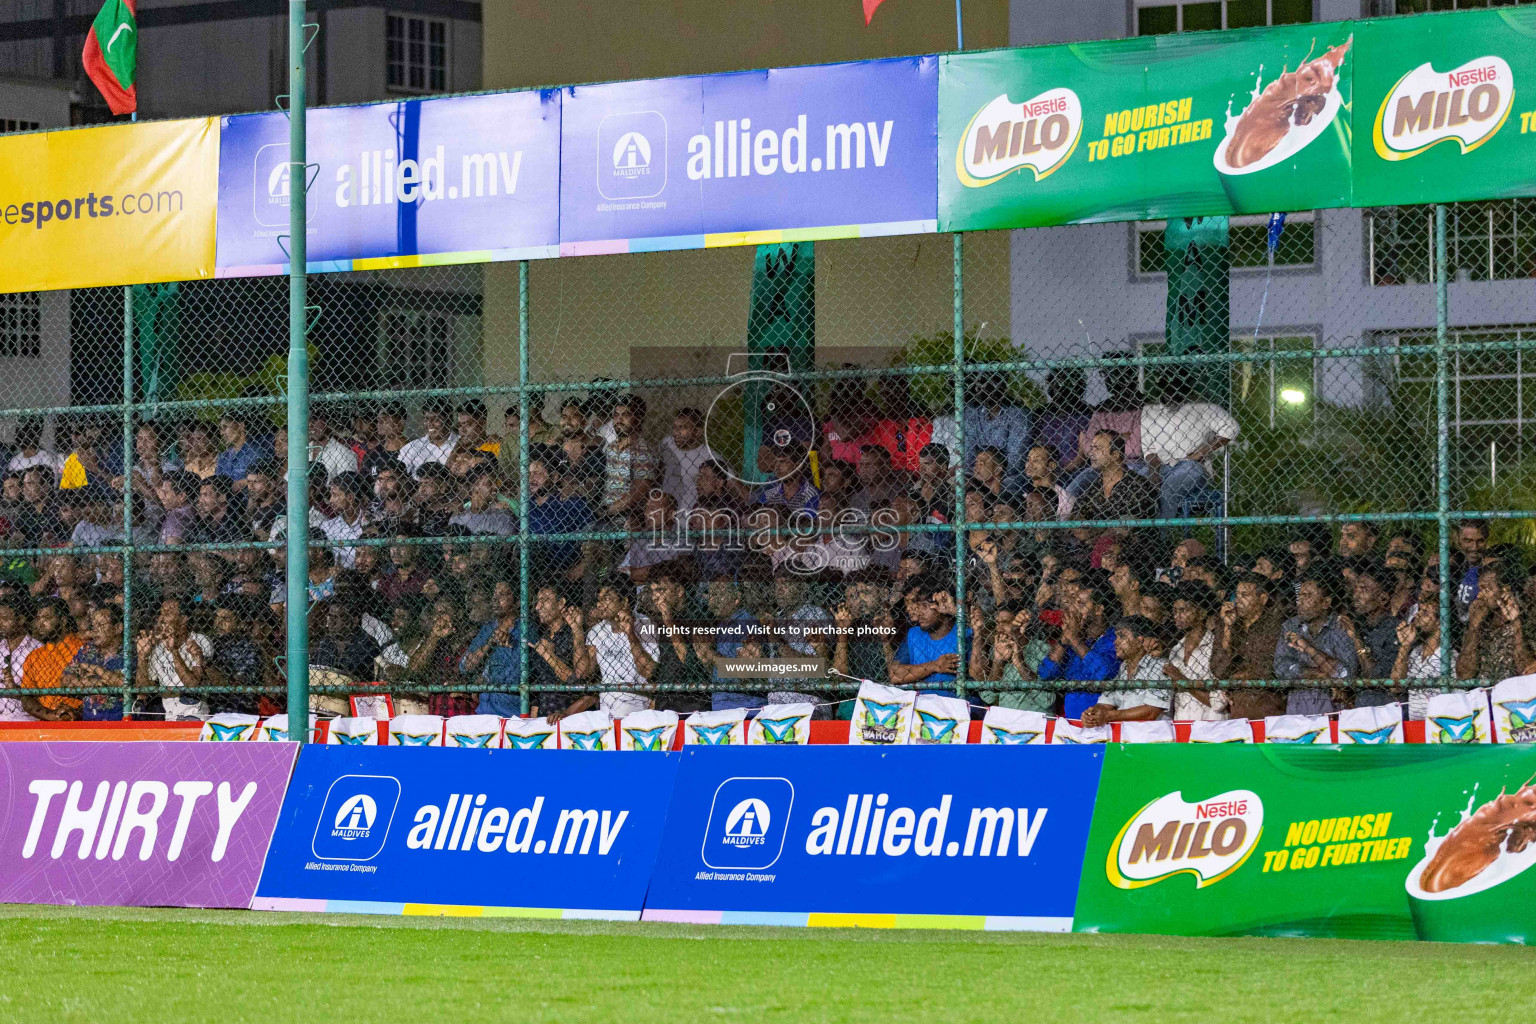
(1233, 466)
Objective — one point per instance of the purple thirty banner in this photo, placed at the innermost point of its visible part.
(138, 824)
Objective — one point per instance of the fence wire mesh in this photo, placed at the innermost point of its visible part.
(1188, 462)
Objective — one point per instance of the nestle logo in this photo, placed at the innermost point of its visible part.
(1472, 76)
(1222, 810)
(1043, 107)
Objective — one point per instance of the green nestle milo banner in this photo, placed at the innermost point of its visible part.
(1437, 108)
(1403, 842)
(1161, 126)
(1445, 108)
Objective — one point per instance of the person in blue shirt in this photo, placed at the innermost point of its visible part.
(929, 655)
(493, 657)
(1085, 650)
(241, 452)
(556, 506)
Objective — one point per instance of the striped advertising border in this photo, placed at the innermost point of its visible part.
(437, 910)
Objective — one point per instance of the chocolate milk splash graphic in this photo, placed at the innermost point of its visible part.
(1503, 825)
(1283, 117)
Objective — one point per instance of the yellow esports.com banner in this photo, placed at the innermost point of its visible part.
(123, 204)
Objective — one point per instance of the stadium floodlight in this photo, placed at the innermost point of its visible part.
(1293, 396)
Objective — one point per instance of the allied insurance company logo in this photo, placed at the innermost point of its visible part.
(1040, 134)
(1209, 839)
(355, 817)
(270, 172)
(1469, 104)
(748, 823)
(632, 155)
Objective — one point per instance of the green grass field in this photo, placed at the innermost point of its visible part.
(107, 965)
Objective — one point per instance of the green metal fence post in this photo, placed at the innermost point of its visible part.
(1442, 439)
(298, 388)
(958, 368)
(127, 494)
(524, 633)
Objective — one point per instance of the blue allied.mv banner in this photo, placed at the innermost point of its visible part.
(378, 829)
(829, 834)
(472, 178)
(850, 149)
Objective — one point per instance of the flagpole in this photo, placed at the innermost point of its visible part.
(298, 386)
(959, 28)
(133, 117)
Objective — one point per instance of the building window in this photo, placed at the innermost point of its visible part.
(415, 349)
(417, 53)
(21, 325)
(1485, 241)
(10, 124)
(1421, 6)
(1158, 17)
(1248, 244)
(1267, 393)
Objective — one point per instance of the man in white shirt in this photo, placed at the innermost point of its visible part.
(1189, 660)
(325, 449)
(348, 497)
(15, 644)
(682, 453)
(1176, 439)
(173, 657)
(1135, 638)
(436, 444)
(615, 651)
(30, 451)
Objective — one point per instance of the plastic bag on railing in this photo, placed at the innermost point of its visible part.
(1376, 725)
(352, 732)
(1013, 727)
(1228, 730)
(881, 715)
(225, 728)
(1157, 731)
(648, 730)
(1067, 733)
(589, 730)
(938, 719)
(779, 724)
(1514, 710)
(416, 731)
(275, 729)
(1460, 717)
(716, 728)
(530, 734)
(1303, 729)
(473, 731)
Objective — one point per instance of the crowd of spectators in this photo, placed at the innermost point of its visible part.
(842, 549)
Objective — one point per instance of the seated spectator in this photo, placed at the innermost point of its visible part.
(1189, 659)
(1119, 493)
(993, 420)
(902, 430)
(90, 510)
(494, 657)
(1418, 656)
(389, 437)
(436, 500)
(1357, 543)
(795, 628)
(615, 654)
(92, 461)
(1018, 648)
(177, 493)
(483, 513)
(1177, 437)
(630, 471)
(37, 522)
(731, 640)
(99, 663)
(1136, 639)
(878, 476)
(1372, 629)
(677, 665)
(792, 489)
(934, 488)
(329, 451)
(1066, 414)
(1247, 632)
(58, 643)
(1493, 645)
(236, 660)
(172, 656)
(214, 520)
(683, 453)
(434, 659)
(1040, 467)
(473, 432)
(929, 655)
(16, 643)
(1085, 649)
(241, 451)
(552, 657)
(662, 546)
(30, 451)
(851, 420)
(1313, 645)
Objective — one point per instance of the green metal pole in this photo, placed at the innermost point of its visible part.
(127, 493)
(298, 388)
(958, 367)
(524, 632)
(1442, 438)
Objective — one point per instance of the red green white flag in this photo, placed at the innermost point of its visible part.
(111, 54)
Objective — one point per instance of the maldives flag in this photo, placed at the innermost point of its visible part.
(870, 7)
(111, 54)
